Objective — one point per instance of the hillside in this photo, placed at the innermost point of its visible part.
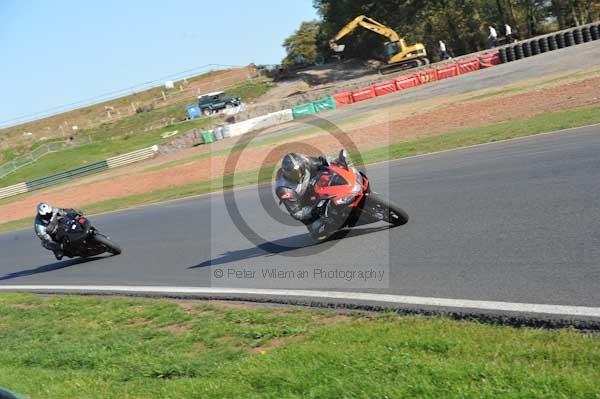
(106, 114)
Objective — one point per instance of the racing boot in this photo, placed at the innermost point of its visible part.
(319, 229)
(58, 254)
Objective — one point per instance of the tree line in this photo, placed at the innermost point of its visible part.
(461, 24)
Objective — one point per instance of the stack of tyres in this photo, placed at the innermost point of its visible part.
(503, 58)
(552, 45)
(560, 40)
(594, 32)
(543, 44)
(578, 36)
(569, 40)
(526, 49)
(518, 52)
(585, 32)
(535, 47)
(510, 54)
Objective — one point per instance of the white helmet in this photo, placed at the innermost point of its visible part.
(45, 211)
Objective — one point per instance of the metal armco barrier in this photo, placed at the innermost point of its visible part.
(132, 157)
(97, 167)
(11, 191)
(62, 177)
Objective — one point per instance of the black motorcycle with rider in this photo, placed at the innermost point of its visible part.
(67, 232)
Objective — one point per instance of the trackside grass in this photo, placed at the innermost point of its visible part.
(106, 144)
(90, 347)
(492, 133)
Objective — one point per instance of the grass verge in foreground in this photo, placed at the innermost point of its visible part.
(90, 347)
(497, 132)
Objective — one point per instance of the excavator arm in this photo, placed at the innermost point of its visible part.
(398, 55)
(367, 23)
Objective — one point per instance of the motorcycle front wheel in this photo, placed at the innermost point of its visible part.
(111, 247)
(387, 210)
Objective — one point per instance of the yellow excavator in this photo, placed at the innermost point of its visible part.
(399, 56)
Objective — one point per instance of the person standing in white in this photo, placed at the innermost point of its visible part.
(443, 51)
(493, 37)
(509, 36)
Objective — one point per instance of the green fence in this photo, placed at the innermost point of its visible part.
(324, 104)
(303, 110)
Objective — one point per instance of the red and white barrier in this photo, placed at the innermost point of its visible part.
(363, 94)
(466, 66)
(344, 98)
(427, 76)
(447, 71)
(384, 88)
(407, 81)
(489, 60)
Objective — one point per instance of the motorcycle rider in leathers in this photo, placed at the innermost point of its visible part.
(46, 223)
(294, 186)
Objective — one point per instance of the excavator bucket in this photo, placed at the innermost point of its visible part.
(338, 48)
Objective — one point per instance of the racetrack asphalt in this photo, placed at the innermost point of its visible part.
(515, 221)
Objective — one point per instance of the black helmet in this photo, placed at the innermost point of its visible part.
(294, 167)
(45, 211)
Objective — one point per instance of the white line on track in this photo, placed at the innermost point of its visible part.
(530, 308)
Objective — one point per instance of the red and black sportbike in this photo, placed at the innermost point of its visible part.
(80, 238)
(343, 195)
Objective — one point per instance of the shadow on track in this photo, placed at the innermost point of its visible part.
(298, 242)
(47, 268)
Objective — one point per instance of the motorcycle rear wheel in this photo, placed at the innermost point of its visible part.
(391, 212)
(109, 244)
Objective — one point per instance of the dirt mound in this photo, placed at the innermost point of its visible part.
(284, 89)
(335, 72)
